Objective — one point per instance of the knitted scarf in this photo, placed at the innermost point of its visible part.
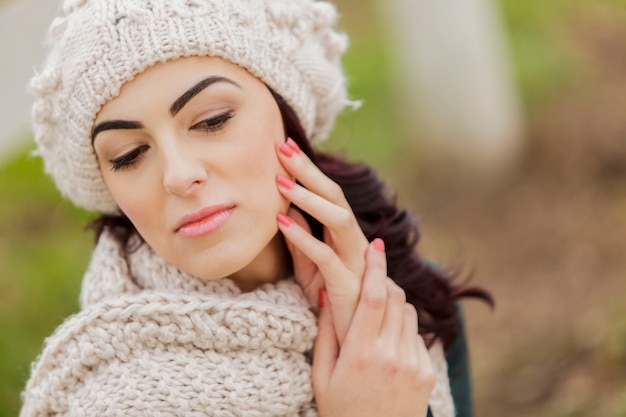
(151, 340)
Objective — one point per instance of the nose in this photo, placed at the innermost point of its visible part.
(184, 171)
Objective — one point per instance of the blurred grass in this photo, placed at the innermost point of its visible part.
(44, 249)
(540, 60)
(370, 133)
(43, 253)
(545, 58)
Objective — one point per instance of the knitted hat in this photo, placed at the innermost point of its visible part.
(98, 45)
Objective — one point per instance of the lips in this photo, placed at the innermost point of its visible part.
(204, 221)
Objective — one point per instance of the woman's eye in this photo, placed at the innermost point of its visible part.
(214, 123)
(128, 159)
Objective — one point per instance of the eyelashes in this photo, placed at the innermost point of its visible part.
(214, 123)
(129, 159)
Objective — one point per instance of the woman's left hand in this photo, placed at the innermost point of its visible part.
(337, 263)
(383, 367)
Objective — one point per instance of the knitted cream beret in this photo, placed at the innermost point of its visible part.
(98, 45)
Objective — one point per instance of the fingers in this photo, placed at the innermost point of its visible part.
(395, 314)
(323, 199)
(412, 342)
(370, 312)
(413, 348)
(304, 268)
(409, 324)
(343, 287)
(382, 344)
(383, 315)
(340, 257)
(322, 255)
(328, 212)
(301, 167)
(326, 350)
(422, 367)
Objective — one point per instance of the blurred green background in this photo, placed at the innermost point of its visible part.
(549, 242)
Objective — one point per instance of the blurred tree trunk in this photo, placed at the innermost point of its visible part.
(460, 103)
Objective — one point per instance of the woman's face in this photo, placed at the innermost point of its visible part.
(187, 150)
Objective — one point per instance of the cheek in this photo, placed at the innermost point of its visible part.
(132, 197)
(259, 156)
(257, 176)
(261, 175)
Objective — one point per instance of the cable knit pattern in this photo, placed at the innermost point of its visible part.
(153, 341)
(98, 45)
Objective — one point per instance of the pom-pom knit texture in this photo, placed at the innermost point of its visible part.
(151, 340)
(98, 45)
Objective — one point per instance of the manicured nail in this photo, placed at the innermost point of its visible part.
(285, 150)
(320, 297)
(293, 145)
(379, 245)
(285, 182)
(284, 219)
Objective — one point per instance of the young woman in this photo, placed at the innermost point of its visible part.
(237, 271)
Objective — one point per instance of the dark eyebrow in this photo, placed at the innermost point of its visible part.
(195, 90)
(174, 108)
(113, 125)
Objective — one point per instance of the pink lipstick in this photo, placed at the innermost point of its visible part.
(204, 221)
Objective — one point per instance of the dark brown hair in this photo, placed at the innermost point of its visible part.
(429, 288)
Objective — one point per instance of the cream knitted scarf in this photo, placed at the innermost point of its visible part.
(151, 340)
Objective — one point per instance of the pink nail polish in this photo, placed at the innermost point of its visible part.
(285, 150)
(293, 145)
(284, 219)
(320, 297)
(379, 245)
(285, 182)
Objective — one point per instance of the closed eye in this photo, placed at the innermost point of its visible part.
(128, 159)
(214, 123)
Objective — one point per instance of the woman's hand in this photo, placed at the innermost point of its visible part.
(384, 368)
(337, 263)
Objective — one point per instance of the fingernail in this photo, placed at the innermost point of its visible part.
(285, 150)
(293, 145)
(379, 245)
(285, 182)
(284, 219)
(320, 297)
